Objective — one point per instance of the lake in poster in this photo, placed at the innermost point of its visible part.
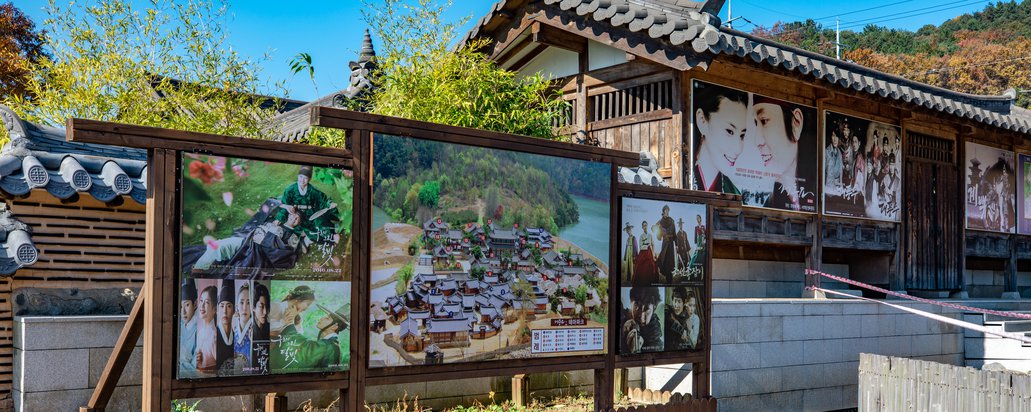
(486, 254)
(265, 268)
(862, 172)
(1024, 197)
(990, 192)
(662, 275)
(761, 148)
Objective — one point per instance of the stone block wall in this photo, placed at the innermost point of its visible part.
(58, 360)
(735, 278)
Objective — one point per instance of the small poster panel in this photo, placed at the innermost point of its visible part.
(761, 148)
(662, 275)
(862, 168)
(990, 191)
(1024, 198)
(265, 268)
(486, 254)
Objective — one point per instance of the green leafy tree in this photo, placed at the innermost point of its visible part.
(404, 275)
(163, 64)
(429, 194)
(421, 76)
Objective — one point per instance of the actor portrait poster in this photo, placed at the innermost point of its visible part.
(761, 148)
(990, 190)
(862, 168)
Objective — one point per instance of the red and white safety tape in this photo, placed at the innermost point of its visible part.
(937, 317)
(922, 300)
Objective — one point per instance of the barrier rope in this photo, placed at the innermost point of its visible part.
(966, 325)
(918, 299)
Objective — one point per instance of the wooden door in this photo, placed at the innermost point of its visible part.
(931, 224)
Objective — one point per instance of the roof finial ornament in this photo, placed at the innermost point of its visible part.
(367, 51)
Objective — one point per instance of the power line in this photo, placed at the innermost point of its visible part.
(860, 11)
(897, 16)
(772, 10)
(912, 13)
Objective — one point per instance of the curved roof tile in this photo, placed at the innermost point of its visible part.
(685, 24)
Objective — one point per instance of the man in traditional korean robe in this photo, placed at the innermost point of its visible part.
(187, 328)
(225, 355)
(683, 246)
(699, 240)
(667, 232)
(318, 214)
(297, 352)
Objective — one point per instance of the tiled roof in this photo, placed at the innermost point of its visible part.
(39, 157)
(694, 25)
(646, 174)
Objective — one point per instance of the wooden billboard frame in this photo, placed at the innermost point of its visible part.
(154, 315)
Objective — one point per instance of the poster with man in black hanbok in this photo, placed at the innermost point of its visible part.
(990, 192)
(761, 148)
(862, 168)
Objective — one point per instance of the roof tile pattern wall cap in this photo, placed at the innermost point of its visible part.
(16, 247)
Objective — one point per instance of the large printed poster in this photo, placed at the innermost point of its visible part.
(265, 267)
(485, 254)
(990, 193)
(862, 168)
(1024, 196)
(662, 276)
(758, 147)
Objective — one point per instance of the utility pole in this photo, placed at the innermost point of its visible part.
(837, 38)
(730, 14)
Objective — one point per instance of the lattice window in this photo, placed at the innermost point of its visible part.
(931, 148)
(566, 115)
(633, 100)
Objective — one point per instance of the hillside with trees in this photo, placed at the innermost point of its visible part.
(983, 53)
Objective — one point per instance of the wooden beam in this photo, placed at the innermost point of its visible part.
(361, 240)
(534, 52)
(512, 51)
(554, 37)
(119, 357)
(142, 137)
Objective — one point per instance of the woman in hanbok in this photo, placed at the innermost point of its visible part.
(205, 362)
(645, 270)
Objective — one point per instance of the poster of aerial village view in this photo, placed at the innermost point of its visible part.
(264, 286)
(662, 275)
(485, 254)
(990, 188)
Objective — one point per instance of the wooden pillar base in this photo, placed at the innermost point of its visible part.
(520, 392)
(275, 402)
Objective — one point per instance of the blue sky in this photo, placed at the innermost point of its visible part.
(331, 31)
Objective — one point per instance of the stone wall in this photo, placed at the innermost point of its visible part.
(797, 354)
(735, 278)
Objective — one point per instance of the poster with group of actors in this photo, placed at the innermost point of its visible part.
(990, 188)
(662, 275)
(761, 148)
(485, 254)
(264, 285)
(862, 168)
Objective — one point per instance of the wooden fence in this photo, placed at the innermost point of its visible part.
(901, 384)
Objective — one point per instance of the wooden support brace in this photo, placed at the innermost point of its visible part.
(119, 357)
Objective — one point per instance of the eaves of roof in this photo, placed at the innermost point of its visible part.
(701, 31)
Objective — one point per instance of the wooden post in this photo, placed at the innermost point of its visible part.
(119, 357)
(520, 391)
(1010, 289)
(275, 402)
(158, 343)
(361, 243)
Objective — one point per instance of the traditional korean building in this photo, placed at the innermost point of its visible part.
(630, 69)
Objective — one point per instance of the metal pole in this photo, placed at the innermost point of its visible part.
(837, 38)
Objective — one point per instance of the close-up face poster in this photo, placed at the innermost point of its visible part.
(760, 148)
(264, 285)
